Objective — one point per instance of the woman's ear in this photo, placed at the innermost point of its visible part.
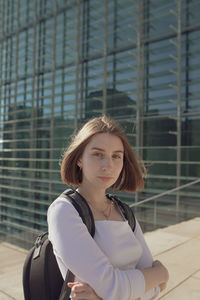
(79, 163)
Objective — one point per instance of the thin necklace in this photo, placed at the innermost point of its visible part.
(109, 207)
(107, 211)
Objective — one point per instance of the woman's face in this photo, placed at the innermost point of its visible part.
(102, 161)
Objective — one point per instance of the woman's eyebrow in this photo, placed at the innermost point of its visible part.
(100, 149)
(96, 148)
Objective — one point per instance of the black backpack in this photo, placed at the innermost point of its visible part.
(42, 279)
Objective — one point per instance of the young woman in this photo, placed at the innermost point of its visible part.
(116, 264)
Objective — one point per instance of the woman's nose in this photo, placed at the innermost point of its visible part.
(107, 163)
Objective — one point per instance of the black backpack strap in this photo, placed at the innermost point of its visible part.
(82, 207)
(86, 215)
(125, 209)
(66, 291)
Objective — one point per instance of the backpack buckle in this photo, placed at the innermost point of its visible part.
(38, 246)
(38, 241)
(36, 252)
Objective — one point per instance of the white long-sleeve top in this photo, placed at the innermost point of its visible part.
(110, 262)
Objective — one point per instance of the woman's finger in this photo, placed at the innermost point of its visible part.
(74, 288)
(82, 291)
(78, 287)
(72, 283)
(81, 296)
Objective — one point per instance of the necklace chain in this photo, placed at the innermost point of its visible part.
(104, 212)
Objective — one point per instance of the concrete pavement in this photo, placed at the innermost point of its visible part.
(177, 246)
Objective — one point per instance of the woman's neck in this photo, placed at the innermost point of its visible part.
(97, 197)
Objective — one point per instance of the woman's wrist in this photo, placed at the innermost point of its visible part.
(163, 286)
(155, 275)
(163, 274)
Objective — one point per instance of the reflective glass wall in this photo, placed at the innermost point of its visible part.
(63, 62)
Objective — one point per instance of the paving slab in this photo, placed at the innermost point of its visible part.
(11, 266)
(5, 297)
(182, 262)
(189, 228)
(188, 290)
(197, 275)
(160, 241)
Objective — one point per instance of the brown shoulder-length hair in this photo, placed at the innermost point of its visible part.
(131, 176)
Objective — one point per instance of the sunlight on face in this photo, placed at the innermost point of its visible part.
(102, 161)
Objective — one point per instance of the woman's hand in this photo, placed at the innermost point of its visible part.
(154, 276)
(163, 286)
(82, 291)
(163, 271)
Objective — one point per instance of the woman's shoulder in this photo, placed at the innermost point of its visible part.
(61, 205)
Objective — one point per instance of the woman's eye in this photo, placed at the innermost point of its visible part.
(116, 156)
(101, 155)
(98, 154)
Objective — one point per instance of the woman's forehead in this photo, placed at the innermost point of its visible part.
(105, 140)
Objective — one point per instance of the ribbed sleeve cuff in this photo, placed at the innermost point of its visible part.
(152, 294)
(137, 283)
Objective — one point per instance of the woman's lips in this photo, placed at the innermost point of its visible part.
(105, 178)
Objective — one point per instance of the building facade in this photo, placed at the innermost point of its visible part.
(63, 62)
